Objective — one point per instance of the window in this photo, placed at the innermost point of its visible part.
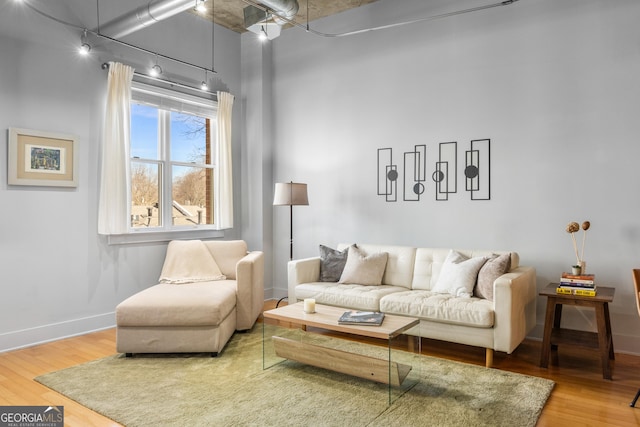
(172, 163)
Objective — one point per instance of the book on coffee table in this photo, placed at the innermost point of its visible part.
(353, 317)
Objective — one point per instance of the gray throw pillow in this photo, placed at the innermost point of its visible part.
(332, 263)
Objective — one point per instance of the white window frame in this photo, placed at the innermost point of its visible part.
(165, 99)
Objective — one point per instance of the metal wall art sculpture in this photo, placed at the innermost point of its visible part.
(387, 175)
(477, 167)
(445, 172)
(415, 170)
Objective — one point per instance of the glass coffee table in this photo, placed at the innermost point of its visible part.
(290, 333)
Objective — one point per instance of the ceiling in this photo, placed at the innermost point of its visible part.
(229, 13)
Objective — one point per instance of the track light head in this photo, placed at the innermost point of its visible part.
(204, 85)
(200, 7)
(155, 71)
(262, 36)
(85, 47)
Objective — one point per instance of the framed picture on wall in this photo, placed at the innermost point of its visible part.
(42, 158)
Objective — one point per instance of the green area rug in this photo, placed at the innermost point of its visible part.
(234, 390)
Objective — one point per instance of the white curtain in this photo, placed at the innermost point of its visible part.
(224, 171)
(113, 210)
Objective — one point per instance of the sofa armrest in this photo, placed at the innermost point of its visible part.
(250, 289)
(302, 271)
(514, 299)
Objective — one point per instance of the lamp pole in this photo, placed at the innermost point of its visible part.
(291, 232)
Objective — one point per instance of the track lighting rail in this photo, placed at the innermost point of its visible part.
(159, 55)
(120, 42)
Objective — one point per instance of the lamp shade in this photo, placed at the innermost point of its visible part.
(290, 194)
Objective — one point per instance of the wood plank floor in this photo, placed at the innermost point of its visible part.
(580, 398)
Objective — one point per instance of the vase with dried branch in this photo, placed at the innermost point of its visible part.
(572, 228)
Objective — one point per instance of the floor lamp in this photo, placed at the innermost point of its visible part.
(290, 194)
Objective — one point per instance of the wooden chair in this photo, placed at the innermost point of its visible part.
(636, 282)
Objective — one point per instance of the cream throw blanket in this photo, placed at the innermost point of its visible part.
(189, 261)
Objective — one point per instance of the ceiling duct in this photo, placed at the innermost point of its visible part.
(144, 16)
(285, 8)
(268, 22)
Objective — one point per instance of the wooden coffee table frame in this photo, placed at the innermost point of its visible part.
(326, 317)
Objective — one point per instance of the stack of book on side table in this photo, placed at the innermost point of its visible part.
(577, 284)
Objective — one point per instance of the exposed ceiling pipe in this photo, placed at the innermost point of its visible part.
(144, 16)
(285, 8)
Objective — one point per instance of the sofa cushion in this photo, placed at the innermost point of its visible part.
(459, 274)
(332, 263)
(446, 308)
(364, 269)
(357, 297)
(192, 304)
(495, 267)
(399, 269)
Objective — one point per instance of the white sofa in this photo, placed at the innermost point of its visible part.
(409, 276)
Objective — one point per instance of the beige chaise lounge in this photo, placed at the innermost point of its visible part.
(207, 291)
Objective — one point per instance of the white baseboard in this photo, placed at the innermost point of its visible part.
(55, 331)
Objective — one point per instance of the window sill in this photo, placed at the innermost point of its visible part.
(162, 236)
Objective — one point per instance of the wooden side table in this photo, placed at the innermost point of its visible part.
(554, 334)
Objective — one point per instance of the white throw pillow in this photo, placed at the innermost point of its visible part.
(459, 274)
(363, 269)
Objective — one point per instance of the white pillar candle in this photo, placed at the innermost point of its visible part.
(309, 305)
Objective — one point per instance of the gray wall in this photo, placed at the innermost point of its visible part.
(554, 84)
(59, 277)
